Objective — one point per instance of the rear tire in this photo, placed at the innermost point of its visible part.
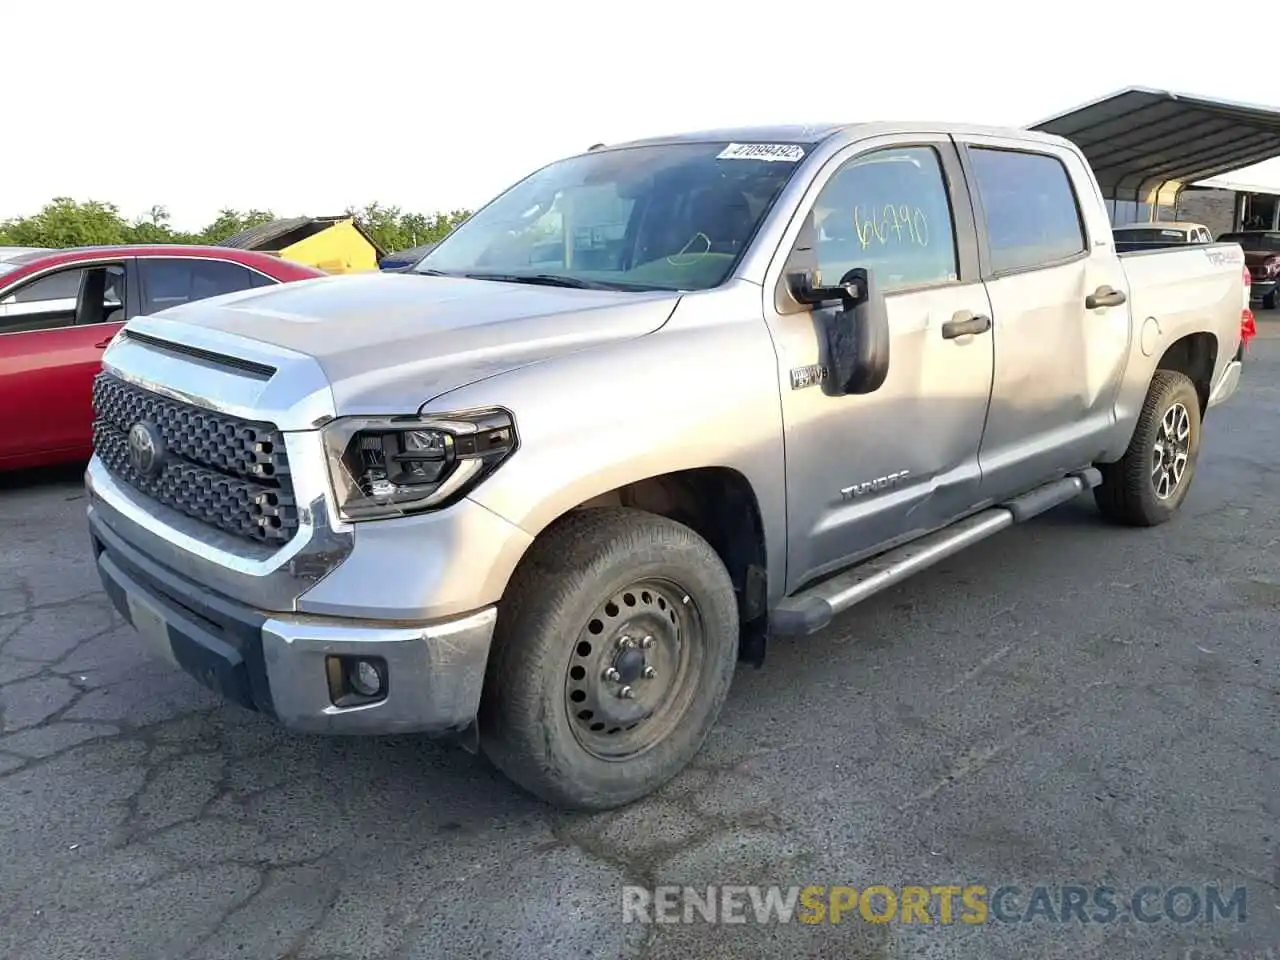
(608, 599)
(1147, 485)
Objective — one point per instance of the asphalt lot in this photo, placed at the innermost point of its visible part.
(1067, 703)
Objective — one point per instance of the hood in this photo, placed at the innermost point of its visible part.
(391, 342)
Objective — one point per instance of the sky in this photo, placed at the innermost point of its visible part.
(309, 108)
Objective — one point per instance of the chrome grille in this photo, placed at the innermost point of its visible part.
(228, 472)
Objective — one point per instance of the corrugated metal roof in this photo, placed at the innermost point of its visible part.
(1226, 183)
(1140, 139)
(262, 236)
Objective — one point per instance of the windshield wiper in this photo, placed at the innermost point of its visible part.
(546, 280)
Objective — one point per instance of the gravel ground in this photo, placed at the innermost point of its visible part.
(1067, 703)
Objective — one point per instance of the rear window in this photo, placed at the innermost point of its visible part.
(170, 281)
(1030, 208)
(1148, 235)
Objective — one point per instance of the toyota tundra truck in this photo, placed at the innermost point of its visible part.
(652, 406)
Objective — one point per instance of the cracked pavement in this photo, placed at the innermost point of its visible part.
(1065, 703)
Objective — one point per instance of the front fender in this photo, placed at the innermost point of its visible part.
(700, 392)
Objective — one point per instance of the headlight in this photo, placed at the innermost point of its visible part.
(390, 466)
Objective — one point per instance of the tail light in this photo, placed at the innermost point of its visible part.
(1248, 327)
(1248, 278)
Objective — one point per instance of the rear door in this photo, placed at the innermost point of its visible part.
(51, 347)
(1058, 362)
(864, 472)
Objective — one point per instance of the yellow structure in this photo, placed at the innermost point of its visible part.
(333, 244)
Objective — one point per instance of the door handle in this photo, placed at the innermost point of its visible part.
(1104, 296)
(965, 323)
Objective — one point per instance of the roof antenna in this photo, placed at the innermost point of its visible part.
(594, 146)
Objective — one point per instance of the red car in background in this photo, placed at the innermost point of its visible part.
(60, 308)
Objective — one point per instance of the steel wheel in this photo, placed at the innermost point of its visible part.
(1172, 451)
(634, 669)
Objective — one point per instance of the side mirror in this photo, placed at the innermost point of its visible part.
(849, 292)
(857, 336)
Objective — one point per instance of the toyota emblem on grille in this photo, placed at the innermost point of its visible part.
(146, 449)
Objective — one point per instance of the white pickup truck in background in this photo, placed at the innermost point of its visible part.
(1132, 237)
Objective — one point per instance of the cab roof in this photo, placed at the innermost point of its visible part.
(811, 134)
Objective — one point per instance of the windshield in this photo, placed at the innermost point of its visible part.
(1253, 241)
(661, 217)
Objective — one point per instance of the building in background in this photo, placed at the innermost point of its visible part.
(1226, 206)
(333, 244)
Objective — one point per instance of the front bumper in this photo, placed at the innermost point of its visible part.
(1261, 288)
(280, 664)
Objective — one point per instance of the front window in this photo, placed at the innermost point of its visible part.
(662, 217)
(889, 211)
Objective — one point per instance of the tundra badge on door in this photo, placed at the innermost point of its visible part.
(873, 486)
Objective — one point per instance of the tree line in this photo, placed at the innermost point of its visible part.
(64, 222)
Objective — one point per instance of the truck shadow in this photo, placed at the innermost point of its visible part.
(69, 474)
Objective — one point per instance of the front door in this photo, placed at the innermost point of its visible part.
(1058, 362)
(51, 344)
(864, 472)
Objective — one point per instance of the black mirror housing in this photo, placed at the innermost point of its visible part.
(858, 338)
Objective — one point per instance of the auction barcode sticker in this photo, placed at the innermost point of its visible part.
(783, 152)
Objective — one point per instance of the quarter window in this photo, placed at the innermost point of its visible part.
(887, 211)
(1030, 208)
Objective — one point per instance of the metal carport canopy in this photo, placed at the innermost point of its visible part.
(1140, 140)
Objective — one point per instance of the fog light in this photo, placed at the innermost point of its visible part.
(366, 679)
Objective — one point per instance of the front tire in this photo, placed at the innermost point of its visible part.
(615, 646)
(1269, 301)
(1147, 485)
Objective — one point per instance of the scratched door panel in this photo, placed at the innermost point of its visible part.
(865, 472)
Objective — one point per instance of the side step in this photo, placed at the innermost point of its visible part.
(811, 610)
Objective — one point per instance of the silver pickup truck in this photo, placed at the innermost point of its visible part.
(649, 407)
